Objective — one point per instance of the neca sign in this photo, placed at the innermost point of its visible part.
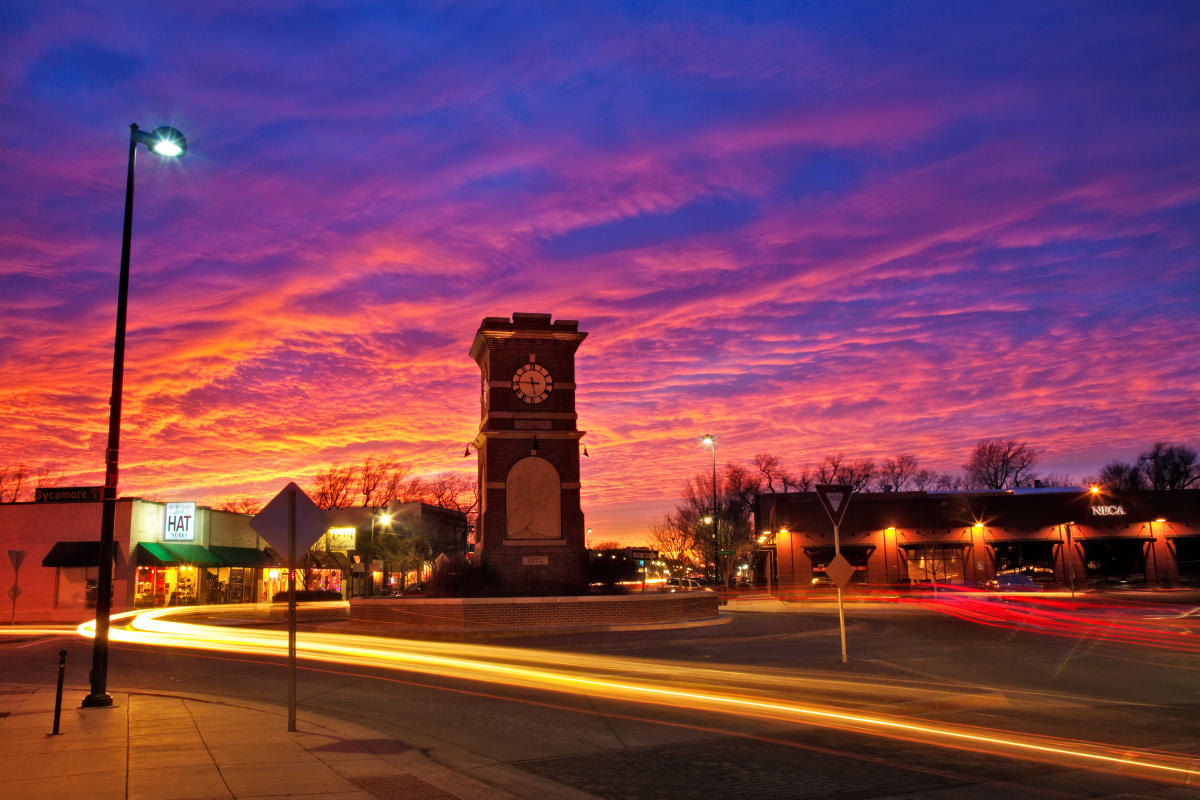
(1108, 511)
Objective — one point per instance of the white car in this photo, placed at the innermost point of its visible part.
(681, 585)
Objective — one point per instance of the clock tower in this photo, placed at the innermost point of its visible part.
(531, 528)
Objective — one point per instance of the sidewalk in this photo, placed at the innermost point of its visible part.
(172, 747)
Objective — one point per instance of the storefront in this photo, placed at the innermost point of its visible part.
(1054, 536)
(172, 574)
(177, 553)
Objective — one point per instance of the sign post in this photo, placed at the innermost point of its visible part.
(836, 498)
(16, 557)
(290, 521)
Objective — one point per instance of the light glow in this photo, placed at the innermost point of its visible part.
(759, 693)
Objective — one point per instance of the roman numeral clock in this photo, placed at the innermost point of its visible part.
(531, 529)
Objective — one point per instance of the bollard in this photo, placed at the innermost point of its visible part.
(62, 668)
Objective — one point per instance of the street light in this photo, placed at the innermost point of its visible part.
(169, 143)
(384, 519)
(711, 440)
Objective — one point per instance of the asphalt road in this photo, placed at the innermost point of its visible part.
(1027, 674)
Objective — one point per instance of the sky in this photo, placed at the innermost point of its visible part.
(808, 228)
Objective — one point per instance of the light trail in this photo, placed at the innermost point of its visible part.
(765, 694)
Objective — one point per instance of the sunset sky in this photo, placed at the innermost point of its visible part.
(874, 228)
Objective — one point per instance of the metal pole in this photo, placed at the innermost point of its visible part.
(1070, 556)
(716, 519)
(99, 697)
(292, 610)
(837, 551)
(62, 668)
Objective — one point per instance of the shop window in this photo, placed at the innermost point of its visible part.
(1114, 561)
(1035, 559)
(940, 563)
(1187, 558)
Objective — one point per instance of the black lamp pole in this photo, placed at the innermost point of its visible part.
(712, 440)
(99, 697)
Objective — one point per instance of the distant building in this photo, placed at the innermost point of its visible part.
(338, 559)
(1135, 539)
(164, 554)
(182, 553)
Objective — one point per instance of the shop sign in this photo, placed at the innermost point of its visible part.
(1108, 511)
(341, 537)
(180, 522)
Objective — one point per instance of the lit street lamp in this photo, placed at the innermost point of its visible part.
(384, 519)
(169, 143)
(711, 440)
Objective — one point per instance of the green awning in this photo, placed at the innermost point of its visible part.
(193, 554)
(172, 554)
(153, 554)
(74, 554)
(242, 556)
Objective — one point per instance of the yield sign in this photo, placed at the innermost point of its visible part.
(272, 522)
(835, 498)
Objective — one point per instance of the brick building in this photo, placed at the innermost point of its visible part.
(1054, 535)
(164, 554)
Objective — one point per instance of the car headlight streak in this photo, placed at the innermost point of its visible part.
(744, 692)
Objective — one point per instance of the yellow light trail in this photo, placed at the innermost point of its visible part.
(676, 685)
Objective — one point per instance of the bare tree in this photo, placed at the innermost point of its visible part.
(836, 469)
(801, 481)
(1119, 476)
(333, 488)
(241, 505)
(947, 482)
(831, 469)
(1168, 467)
(896, 473)
(859, 474)
(771, 470)
(375, 476)
(1000, 463)
(609, 545)
(674, 542)
(924, 479)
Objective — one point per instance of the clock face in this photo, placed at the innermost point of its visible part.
(532, 383)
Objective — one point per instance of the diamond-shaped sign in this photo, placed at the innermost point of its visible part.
(839, 570)
(835, 498)
(14, 593)
(272, 522)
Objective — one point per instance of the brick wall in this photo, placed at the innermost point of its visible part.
(483, 614)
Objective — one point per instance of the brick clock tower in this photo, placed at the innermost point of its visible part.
(531, 528)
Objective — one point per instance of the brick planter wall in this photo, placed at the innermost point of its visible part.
(527, 613)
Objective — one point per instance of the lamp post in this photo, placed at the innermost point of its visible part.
(369, 573)
(711, 440)
(169, 143)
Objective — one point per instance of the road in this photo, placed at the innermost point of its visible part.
(744, 707)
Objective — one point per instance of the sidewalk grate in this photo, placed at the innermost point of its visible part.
(401, 786)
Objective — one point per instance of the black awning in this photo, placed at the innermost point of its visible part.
(934, 545)
(74, 554)
(242, 556)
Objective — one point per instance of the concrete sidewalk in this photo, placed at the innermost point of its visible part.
(172, 747)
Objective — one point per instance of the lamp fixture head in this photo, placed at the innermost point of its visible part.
(165, 141)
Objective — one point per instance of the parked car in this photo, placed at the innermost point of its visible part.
(1012, 582)
(681, 585)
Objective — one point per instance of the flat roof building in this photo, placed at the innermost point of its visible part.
(1060, 535)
